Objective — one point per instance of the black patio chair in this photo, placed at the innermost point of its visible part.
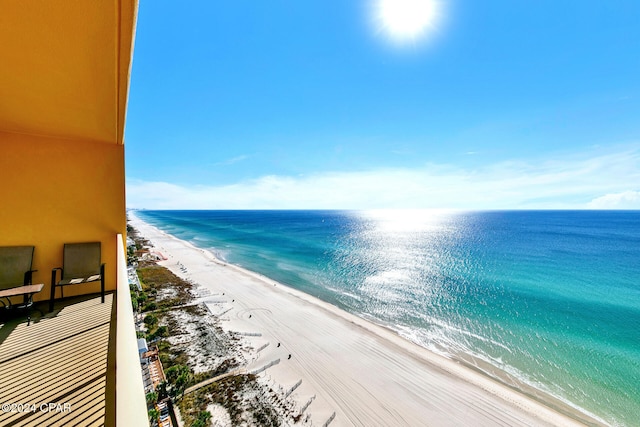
(81, 264)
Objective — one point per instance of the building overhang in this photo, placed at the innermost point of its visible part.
(65, 68)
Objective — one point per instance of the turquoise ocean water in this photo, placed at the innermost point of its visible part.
(550, 297)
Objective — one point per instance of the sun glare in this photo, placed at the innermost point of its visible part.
(407, 20)
(408, 220)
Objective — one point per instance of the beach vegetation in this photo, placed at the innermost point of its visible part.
(151, 306)
(152, 398)
(141, 298)
(203, 419)
(175, 371)
(134, 302)
(132, 258)
(160, 332)
(171, 355)
(135, 294)
(154, 416)
(135, 235)
(162, 390)
(150, 320)
(240, 395)
(180, 385)
(178, 378)
(175, 290)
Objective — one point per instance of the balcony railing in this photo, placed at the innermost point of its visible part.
(131, 409)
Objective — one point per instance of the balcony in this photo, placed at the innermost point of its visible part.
(64, 367)
(62, 119)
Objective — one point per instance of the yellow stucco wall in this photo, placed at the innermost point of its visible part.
(56, 191)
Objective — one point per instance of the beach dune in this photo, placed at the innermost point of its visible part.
(363, 373)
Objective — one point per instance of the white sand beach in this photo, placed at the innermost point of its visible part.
(364, 373)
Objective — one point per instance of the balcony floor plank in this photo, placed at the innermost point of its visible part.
(61, 358)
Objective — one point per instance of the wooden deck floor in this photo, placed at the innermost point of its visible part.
(58, 370)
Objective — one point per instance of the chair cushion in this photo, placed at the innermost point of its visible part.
(77, 280)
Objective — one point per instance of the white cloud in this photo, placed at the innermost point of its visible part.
(625, 200)
(571, 182)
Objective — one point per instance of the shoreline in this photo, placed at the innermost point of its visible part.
(336, 352)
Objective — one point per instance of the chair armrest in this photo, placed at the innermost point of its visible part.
(53, 274)
(27, 277)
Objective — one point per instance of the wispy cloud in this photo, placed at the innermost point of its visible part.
(573, 182)
(232, 161)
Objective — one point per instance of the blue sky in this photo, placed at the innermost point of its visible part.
(500, 104)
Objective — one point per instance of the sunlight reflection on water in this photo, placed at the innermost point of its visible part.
(399, 262)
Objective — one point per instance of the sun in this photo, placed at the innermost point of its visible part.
(407, 20)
